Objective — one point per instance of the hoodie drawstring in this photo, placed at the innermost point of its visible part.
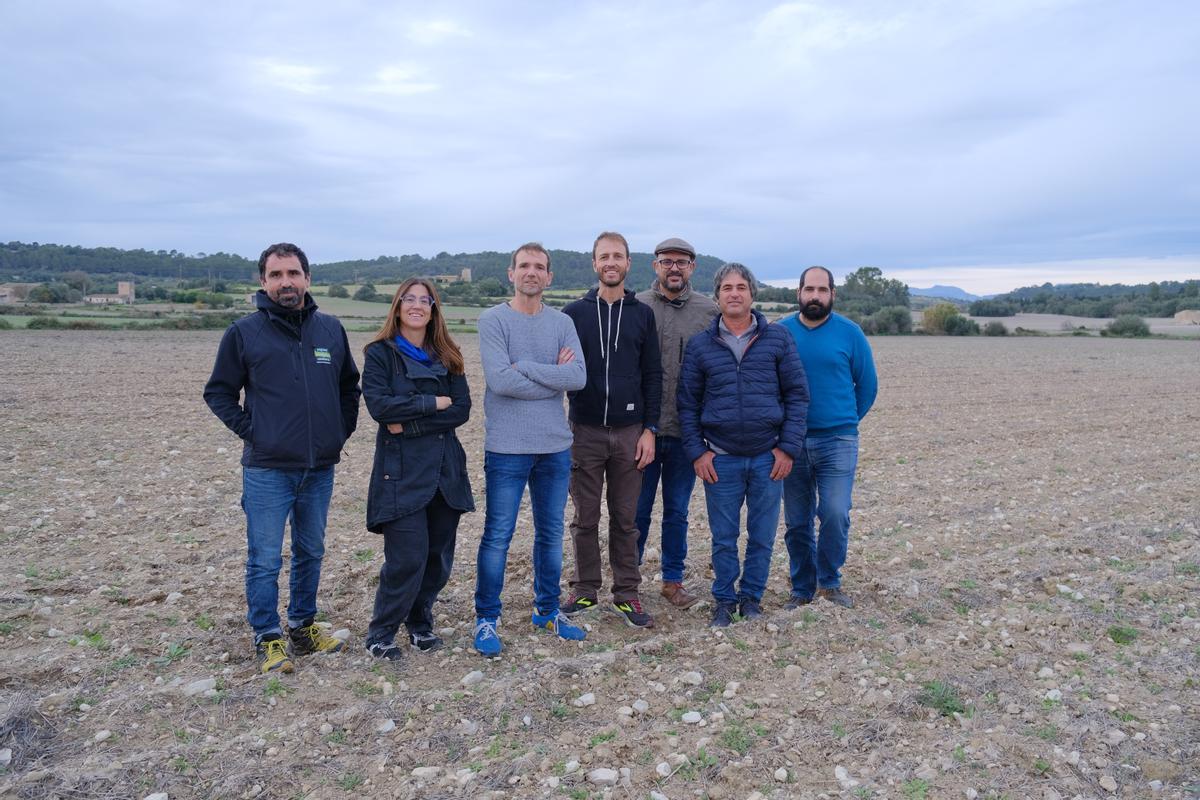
(605, 351)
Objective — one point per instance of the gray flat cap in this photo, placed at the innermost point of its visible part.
(675, 245)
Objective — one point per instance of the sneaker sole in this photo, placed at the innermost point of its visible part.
(630, 623)
(580, 612)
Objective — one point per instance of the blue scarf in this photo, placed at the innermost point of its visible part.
(412, 351)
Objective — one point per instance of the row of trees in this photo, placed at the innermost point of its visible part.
(1159, 299)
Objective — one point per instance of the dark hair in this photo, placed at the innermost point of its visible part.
(609, 235)
(740, 269)
(282, 250)
(534, 247)
(804, 274)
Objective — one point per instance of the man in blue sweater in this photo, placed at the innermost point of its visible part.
(842, 385)
(294, 366)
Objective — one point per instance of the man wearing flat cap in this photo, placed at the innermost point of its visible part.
(679, 314)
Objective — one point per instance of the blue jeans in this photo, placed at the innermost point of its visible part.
(820, 484)
(506, 475)
(678, 479)
(271, 498)
(742, 479)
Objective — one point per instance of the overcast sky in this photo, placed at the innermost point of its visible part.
(984, 144)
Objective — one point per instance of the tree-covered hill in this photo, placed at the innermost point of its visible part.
(48, 262)
(1094, 300)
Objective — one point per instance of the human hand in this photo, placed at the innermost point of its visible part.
(782, 466)
(705, 470)
(643, 454)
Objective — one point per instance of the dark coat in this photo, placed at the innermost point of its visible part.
(410, 467)
(624, 369)
(745, 409)
(300, 381)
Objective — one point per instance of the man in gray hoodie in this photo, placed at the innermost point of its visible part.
(679, 314)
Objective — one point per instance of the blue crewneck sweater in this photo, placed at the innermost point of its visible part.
(841, 373)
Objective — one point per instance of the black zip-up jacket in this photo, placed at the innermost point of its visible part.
(412, 466)
(300, 381)
(624, 368)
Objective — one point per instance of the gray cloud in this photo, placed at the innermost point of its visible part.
(914, 138)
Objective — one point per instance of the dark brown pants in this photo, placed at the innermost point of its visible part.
(601, 454)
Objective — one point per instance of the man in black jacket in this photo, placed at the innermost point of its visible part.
(614, 419)
(301, 404)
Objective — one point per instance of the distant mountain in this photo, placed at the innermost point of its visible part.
(948, 292)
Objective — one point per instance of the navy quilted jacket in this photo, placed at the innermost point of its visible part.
(744, 409)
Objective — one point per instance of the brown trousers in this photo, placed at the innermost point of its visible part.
(600, 454)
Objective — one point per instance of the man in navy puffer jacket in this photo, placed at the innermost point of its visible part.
(301, 404)
(743, 400)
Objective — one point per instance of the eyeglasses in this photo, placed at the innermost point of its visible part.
(679, 262)
(424, 299)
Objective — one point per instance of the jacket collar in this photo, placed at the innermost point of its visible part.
(678, 302)
(593, 296)
(760, 323)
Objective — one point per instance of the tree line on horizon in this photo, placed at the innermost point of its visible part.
(878, 304)
(1155, 299)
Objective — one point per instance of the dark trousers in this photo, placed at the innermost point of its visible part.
(602, 454)
(418, 553)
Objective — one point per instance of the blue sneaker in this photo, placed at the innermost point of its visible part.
(487, 641)
(557, 622)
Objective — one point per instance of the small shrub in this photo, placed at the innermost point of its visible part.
(5, 324)
(958, 325)
(1122, 634)
(942, 697)
(44, 323)
(1128, 325)
(337, 290)
(995, 328)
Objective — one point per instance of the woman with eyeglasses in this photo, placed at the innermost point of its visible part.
(415, 388)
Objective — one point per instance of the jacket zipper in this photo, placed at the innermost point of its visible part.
(737, 368)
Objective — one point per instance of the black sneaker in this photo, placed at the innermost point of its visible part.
(723, 615)
(579, 605)
(426, 641)
(633, 615)
(795, 602)
(836, 596)
(750, 609)
(386, 651)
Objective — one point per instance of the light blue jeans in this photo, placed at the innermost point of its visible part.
(271, 498)
(742, 479)
(820, 486)
(506, 475)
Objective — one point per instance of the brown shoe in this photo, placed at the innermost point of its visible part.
(678, 596)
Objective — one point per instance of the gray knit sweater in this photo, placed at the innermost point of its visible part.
(523, 404)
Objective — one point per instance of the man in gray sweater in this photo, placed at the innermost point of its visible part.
(531, 357)
(679, 314)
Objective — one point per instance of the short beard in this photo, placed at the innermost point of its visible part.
(816, 311)
(289, 299)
